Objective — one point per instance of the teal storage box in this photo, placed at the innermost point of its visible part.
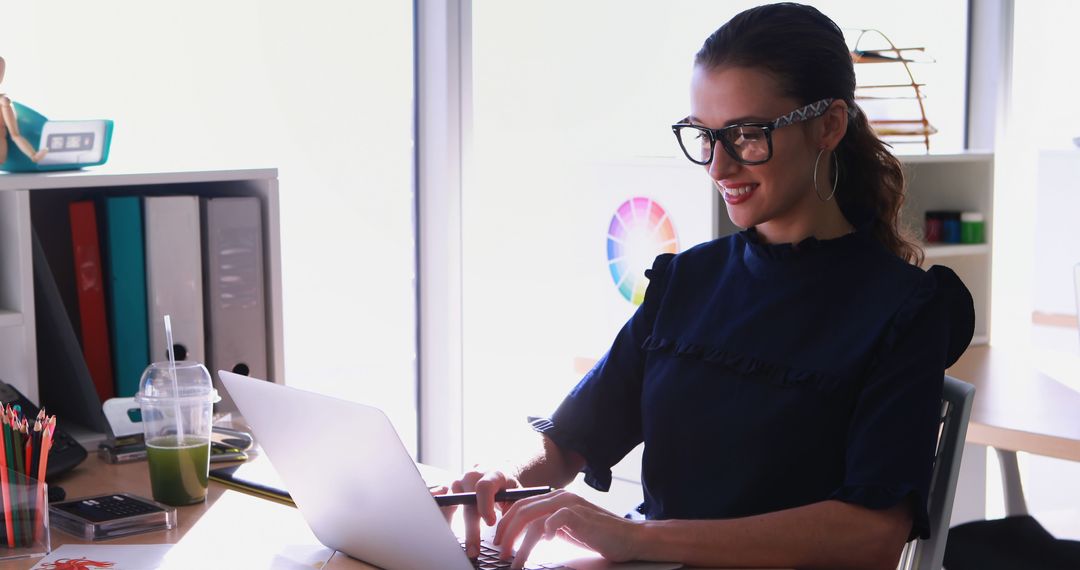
(71, 144)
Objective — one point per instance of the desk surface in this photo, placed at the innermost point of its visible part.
(275, 527)
(1017, 407)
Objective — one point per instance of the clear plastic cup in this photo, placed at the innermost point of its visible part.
(176, 418)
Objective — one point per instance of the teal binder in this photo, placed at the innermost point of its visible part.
(126, 268)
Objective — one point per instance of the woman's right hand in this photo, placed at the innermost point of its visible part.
(485, 484)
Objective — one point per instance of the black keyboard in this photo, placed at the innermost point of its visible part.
(489, 560)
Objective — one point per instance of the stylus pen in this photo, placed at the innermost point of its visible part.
(505, 496)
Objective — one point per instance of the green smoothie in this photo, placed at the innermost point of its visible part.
(178, 470)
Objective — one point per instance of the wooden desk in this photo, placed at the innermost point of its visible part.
(267, 528)
(1018, 408)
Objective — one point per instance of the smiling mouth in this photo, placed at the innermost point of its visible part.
(738, 191)
(735, 192)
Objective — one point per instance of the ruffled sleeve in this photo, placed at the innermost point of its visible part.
(601, 417)
(893, 433)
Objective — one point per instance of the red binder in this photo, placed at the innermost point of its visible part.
(90, 288)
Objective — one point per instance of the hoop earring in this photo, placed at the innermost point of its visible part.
(836, 177)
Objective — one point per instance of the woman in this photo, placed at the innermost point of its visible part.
(786, 380)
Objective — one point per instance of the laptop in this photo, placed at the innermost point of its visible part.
(360, 491)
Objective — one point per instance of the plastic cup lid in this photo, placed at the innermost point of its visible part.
(192, 384)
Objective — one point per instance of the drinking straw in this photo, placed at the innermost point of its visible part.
(8, 535)
(176, 389)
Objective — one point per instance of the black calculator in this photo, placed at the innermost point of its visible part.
(111, 516)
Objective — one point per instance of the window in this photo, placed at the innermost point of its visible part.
(323, 93)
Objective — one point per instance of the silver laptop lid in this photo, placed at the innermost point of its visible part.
(349, 474)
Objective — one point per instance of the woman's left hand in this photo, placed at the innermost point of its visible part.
(563, 512)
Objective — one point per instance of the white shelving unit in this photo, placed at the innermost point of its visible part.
(18, 348)
(962, 182)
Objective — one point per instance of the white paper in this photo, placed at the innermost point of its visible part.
(242, 531)
(121, 557)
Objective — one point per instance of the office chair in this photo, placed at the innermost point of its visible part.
(956, 401)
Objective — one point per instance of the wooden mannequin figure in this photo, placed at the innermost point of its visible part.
(10, 123)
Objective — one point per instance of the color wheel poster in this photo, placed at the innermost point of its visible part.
(640, 230)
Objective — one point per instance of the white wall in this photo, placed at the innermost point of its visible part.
(320, 90)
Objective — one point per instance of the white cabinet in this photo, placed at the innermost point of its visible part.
(958, 182)
(20, 192)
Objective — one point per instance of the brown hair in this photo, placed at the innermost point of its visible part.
(806, 52)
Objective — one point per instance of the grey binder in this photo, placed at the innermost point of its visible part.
(235, 289)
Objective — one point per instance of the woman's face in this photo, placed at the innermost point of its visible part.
(778, 196)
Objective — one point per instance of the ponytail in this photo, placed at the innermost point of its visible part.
(872, 181)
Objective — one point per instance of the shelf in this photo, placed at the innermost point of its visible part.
(947, 158)
(108, 177)
(934, 251)
(902, 127)
(10, 319)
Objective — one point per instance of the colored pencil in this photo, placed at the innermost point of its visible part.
(43, 461)
(16, 483)
(29, 484)
(8, 476)
(24, 494)
(33, 446)
(7, 537)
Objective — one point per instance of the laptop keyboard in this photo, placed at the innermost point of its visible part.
(489, 560)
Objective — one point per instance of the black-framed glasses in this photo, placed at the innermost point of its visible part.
(747, 143)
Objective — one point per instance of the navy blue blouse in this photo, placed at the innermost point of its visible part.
(766, 377)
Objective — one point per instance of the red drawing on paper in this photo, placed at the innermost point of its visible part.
(77, 564)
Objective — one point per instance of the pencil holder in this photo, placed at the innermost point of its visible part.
(24, 526)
